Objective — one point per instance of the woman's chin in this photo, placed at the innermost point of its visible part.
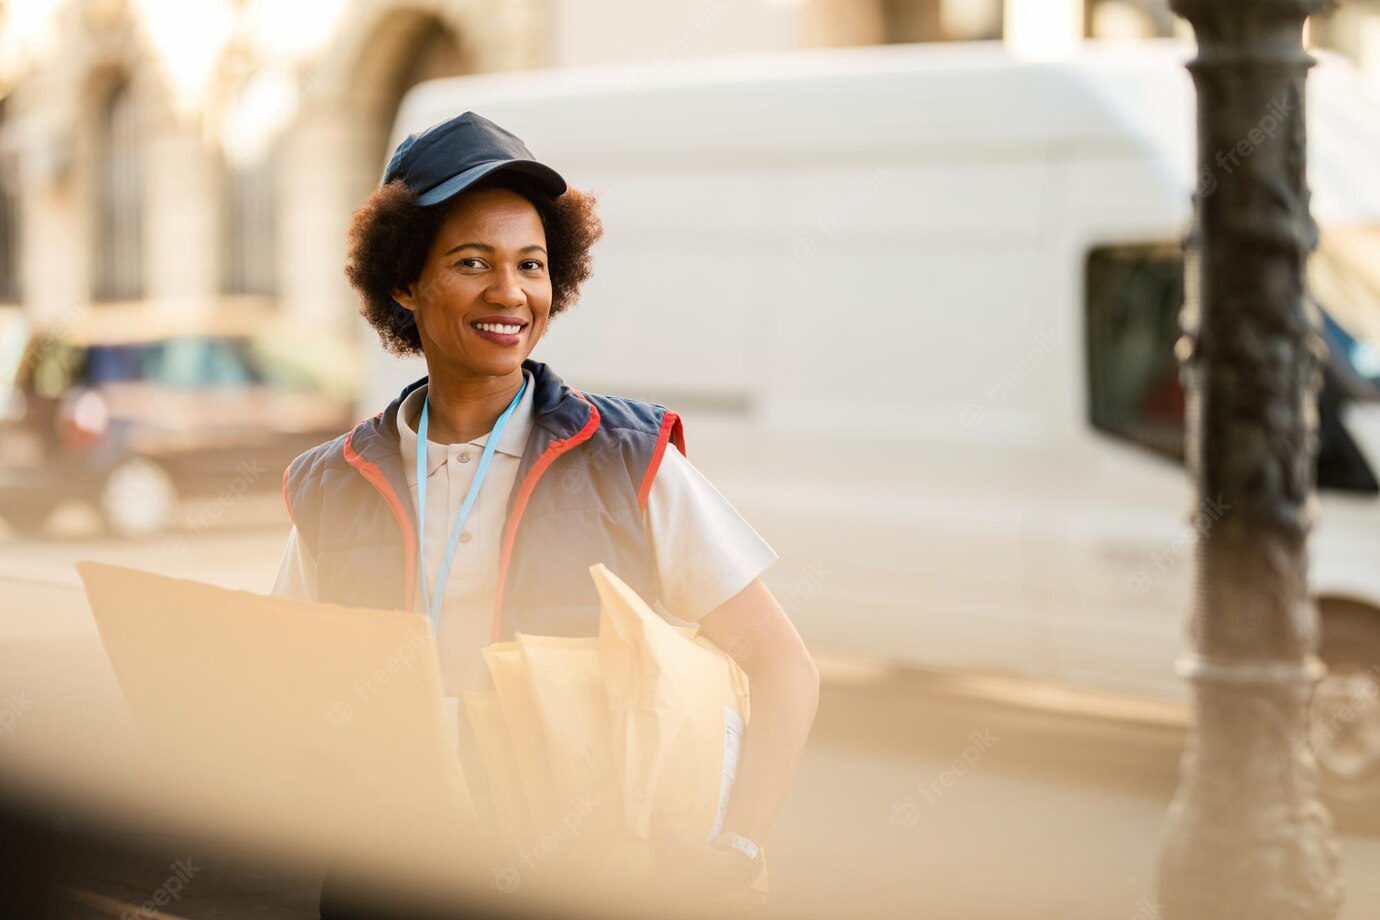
(472, 356)
(493, 365)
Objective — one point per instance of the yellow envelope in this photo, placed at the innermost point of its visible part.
(643, 721)
(513, 685)
(568, 691)
(490, 728)
(679, 707)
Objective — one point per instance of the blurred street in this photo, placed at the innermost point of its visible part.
(1053, 815)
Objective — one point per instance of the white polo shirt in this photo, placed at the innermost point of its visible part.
(705, 551)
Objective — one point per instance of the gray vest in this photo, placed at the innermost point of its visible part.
(578, 499)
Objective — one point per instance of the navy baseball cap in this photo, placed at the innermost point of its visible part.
(445, 159)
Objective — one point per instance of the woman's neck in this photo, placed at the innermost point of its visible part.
(462, 408)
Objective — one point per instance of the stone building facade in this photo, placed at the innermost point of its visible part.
(120, 189)
(189, 154)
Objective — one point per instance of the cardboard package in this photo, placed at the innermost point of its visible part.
(290, 720)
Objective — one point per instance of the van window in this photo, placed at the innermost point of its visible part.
(1344, 278)
(1134, 294)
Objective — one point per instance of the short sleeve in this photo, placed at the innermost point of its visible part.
(297, 572)
(705, 551)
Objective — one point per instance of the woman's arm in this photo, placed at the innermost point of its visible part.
(784, 686)
(709, 567)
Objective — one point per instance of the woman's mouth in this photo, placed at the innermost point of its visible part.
(500, 333)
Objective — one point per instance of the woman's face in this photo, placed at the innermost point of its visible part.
(486, 272)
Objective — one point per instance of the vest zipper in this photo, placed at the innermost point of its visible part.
(529, 483)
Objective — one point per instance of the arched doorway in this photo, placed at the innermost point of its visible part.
(406, 48)
(335, 152)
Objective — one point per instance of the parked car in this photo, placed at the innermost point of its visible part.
(132, 412)
(922, 331)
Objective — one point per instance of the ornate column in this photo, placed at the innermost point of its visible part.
(1247, 835)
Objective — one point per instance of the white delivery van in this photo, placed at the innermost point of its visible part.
(917, 305)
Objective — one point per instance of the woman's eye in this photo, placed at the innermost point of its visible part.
(533, 264)
(471, 262)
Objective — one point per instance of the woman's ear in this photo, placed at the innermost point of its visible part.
(406, 297)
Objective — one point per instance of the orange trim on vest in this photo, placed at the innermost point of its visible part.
(379, 481)
(670, 432)
(525, 491)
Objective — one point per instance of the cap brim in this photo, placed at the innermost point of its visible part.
(546, 177)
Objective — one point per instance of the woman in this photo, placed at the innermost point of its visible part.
(464, 254)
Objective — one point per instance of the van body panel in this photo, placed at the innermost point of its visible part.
(929, 475)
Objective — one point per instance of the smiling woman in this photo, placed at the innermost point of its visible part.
(482, 495)
(394, 238)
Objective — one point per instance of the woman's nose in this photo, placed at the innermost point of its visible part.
(507, 289)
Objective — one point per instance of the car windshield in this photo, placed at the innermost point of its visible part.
(1344, 278)
(182, 363)
(195, 363)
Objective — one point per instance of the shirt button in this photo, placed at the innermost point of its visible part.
(465, 536)
(464, 458)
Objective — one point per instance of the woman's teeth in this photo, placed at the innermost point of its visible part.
(495, 327)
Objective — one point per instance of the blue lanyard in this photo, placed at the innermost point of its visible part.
(435, 599)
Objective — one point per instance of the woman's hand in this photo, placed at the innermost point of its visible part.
(686, 869)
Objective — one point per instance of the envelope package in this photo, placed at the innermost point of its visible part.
(639, 725)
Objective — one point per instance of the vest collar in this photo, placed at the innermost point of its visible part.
(562, 419)
(556, 408)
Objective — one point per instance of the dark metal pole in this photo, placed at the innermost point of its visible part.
(1248, 836)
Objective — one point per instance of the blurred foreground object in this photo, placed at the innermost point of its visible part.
(1247, 834)
(293, 714)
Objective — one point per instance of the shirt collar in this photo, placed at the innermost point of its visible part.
(512, 442)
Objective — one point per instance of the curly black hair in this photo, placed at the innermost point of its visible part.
(391, 233)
